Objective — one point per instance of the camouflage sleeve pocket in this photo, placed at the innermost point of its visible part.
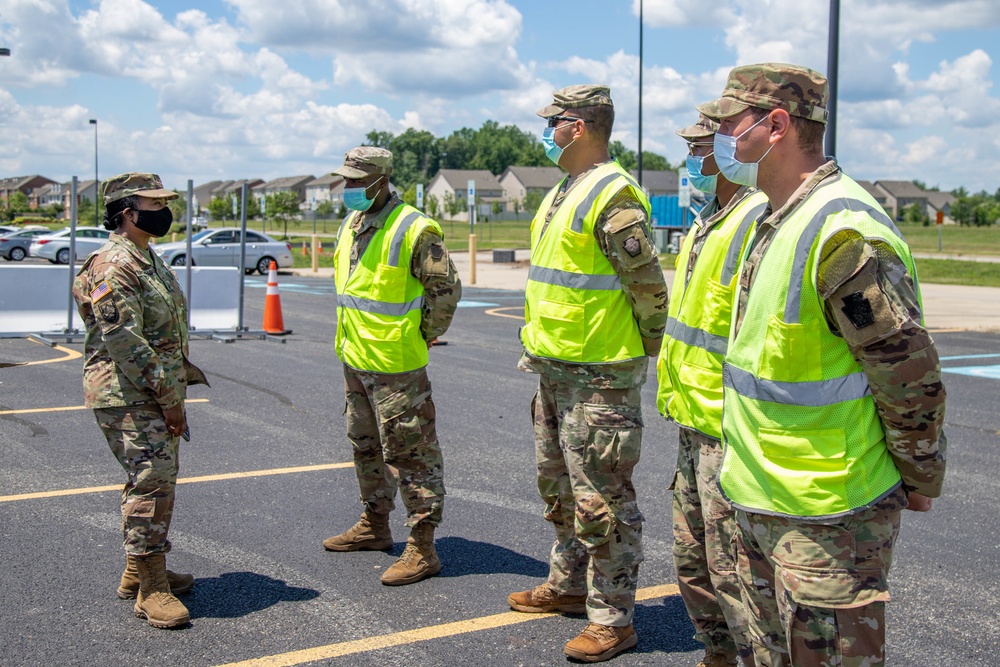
(863, 312)
(435, 261)
(628, 239)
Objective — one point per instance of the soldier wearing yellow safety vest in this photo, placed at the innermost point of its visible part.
(689, 371)
(595, 307)
(833, 400)
(397, 291)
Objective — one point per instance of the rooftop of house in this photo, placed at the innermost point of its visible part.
(904, 189)
(535, 177)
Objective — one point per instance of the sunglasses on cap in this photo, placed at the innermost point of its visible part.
(695, 145)
(554, 120)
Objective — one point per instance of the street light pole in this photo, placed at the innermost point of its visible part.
(832, 60)
(97, 183)
(4, 51)
(640, 94)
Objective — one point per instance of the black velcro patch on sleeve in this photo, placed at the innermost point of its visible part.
(858, 309)
(632, 246)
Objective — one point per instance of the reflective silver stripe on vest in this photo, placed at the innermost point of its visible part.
(808, 237)
(379, 307)
(696, 337)
(814, 394)
(397, 240)
(573, 280)
(344, 224)
(588, 203)
(733, 256)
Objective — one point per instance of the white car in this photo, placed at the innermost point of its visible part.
(221, 247)
(55, 246)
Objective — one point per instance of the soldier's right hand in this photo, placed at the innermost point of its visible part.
(176, 419)
(917, 502)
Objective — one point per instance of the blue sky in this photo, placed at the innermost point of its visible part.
(235, 88)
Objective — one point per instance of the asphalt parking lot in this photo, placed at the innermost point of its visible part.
(267, 477)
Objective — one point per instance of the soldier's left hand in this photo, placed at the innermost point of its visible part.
(917, 502)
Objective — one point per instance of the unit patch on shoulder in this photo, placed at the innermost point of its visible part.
(99, 292)
(632, 246)
(858, 310)
(109, 311)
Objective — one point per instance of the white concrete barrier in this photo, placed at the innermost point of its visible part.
(35, 299)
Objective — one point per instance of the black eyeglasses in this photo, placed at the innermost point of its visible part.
(554, 120)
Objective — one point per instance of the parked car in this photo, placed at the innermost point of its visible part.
(55, 246)
(4, 229)
(15, 246)
(221, 247)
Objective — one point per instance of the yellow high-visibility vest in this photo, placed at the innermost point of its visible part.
(575, 310)
(689, 368)
(379, 304)
(801, 430)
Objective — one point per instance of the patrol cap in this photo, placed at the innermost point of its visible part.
(575, 97)
(798, 90)
(705, 127)
(133, 183)
(365, 161)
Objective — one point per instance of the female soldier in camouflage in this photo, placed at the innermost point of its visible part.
(135, 377)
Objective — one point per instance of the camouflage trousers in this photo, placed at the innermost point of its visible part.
(139, 439)
(705, 548)
(815, 592)
(587, 441)
(391, 426)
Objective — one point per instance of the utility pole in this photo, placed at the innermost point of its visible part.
(97, 182)
(640, 95)
(832, 60)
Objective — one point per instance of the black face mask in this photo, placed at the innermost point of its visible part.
(156, 223)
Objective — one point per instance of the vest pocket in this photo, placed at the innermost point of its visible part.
(382, 350)
(561, 326)
(791, 351)
(717, 307)
(806, 470)
(389, 283)
(704, 386)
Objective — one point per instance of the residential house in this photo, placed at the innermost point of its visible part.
(24, 184)
(453, 183)
(519, 182)
(877, 194)
(85, 190)
(940, 201)
(203, 194)
(46, 195)
(901, 194)
(658, 183)
(296, 184)
(328, 187)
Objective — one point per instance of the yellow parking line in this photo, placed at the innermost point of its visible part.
(183, 480)
(68, 355)
(28, 411)
(419, 635)
(497, 312)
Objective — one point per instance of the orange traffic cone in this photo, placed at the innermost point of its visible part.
(274, 323)
(319, 247)
(305, 250)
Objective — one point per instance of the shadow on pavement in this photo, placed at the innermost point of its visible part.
(236, 594)
(664, 627)
(463, 557)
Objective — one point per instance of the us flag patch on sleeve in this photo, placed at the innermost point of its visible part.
(100, 291)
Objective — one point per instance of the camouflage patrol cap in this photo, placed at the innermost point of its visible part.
(575, 97)
(364, 161)
(132, 183)
(705, 127)
(798, 90)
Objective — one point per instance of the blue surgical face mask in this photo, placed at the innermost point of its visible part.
(357, 199)
(552, 150)
(707, 184)
(741, 173)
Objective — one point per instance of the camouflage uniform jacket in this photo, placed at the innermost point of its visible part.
(642, 281)
(136, 346)
(896, 353)
(431, 265)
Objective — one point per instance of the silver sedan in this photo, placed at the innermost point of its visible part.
(221, 247)
(55, 247)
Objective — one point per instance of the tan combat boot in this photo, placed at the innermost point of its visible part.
(542, 598)
(418, 561)
(598, 643)
(129, 587)
(713, 659)
(155, 602)
(370, 533)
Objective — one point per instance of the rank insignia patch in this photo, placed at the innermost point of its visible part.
(858, 310)
(632, 246)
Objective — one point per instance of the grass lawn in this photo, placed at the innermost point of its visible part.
(955, 240)
(957, 272)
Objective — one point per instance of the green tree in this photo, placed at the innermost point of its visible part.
(85, 214)
(178, 208)
(342, 212)
(516, 205)
(18, 202)
(221, 208)
(283, 206)
(410, 196)
(450, 205)
(325, 208)
(432, 205)
(916, 215)
(532, 200)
